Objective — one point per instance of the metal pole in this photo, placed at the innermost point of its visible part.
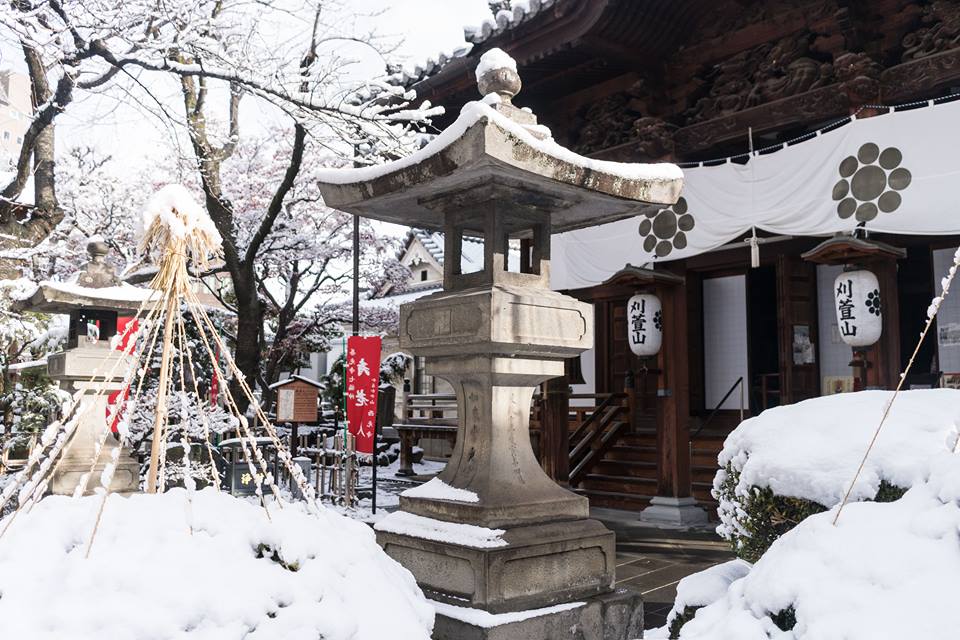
(356, 332)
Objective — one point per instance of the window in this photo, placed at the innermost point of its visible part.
(6, 135)
(19, 139)
(423, 275)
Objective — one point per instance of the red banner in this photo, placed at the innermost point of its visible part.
(126, 330)
(363, 383)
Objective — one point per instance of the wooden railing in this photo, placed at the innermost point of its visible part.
(438, 409)
(599, 431)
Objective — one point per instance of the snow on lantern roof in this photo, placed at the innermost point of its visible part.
(64, 297)
(494, 145)
(96, 288)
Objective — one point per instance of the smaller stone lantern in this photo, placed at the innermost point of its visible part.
(93, 303)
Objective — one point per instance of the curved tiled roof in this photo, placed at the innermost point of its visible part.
(520, 12)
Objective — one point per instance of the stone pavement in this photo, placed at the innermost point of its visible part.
(653, 560)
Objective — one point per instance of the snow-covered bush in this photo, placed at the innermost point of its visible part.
(393, 368)
(212, 567)
(701, 589)
(791, 462)
(885, 571)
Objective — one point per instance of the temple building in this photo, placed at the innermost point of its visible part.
(817, 138)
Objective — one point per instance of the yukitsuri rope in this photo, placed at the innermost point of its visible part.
(932, 311)
(295, 472)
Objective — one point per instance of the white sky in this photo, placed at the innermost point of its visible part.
(107, 122)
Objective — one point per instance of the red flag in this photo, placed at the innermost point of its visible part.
(126, 328)
(363, 383)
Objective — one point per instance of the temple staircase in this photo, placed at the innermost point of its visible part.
(614, 463)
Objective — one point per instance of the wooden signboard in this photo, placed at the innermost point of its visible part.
(297, 400)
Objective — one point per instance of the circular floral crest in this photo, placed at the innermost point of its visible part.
(873, 302)
(869, 183)
(658, 320)
(666, 229)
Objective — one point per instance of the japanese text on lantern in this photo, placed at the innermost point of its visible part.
(845, 308)
(363, 381)
(638, 321)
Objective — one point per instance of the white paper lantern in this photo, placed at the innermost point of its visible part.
(857, 298)
(644, 324)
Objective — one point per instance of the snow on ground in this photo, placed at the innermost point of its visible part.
(437, 489)
(887, 570)
(389, 488)
(811, 449)
(162, 567)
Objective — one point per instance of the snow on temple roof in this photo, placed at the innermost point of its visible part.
(506, 19)
(519, 12)
(430, 66)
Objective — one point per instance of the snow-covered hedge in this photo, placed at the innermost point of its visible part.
(212, 568)
(885, 571)
(701, 589)
(794, 461)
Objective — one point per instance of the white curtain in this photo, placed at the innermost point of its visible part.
(895, 173)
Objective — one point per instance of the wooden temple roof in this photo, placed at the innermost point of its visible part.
(685, 80)
(575, 44)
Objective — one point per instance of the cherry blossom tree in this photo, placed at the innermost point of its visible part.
(296, 56)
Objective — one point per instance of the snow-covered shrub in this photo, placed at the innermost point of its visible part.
(852, 579)
(193, 462)
(394, 367)
(791, 462)
(203, 566)
(701, 589)
(31, 404)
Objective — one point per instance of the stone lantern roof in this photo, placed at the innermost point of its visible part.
(97, 288)
(495, 150)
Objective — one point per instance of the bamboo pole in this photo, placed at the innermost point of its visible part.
(161, 395)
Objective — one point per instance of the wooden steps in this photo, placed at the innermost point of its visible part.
(626, 476)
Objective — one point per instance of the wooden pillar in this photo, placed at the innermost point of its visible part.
(673, 402)
(555, 434)
(884, 356)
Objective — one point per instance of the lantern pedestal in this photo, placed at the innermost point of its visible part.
(73, 369)
(494, 345)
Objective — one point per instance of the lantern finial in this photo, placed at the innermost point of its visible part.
(497, 73)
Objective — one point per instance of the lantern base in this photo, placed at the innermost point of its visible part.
(534, 566)
(612, 616)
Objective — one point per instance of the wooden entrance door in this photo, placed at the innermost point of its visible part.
(797, 328)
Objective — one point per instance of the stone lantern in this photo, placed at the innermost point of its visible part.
(495, 335)
(93, 303)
